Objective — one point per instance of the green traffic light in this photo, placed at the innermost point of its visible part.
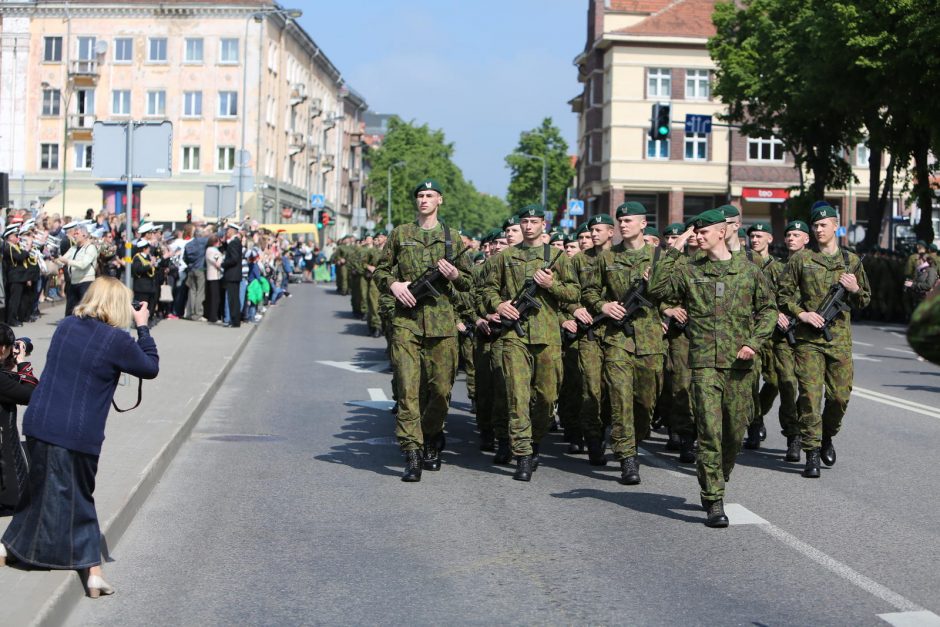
(663, 130)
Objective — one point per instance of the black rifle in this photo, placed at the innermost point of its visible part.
(676, 327)
(790, 330)
(469, 330)
(633, 300)
(584, 329)
(832, 305)
(525, 303)
(424, 284)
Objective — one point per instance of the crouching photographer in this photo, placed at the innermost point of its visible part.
(64, 426)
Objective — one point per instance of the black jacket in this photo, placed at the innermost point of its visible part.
(144, 273)
(232, 262)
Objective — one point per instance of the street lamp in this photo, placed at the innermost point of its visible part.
(257, 16)
(544, 173)
(388, 223)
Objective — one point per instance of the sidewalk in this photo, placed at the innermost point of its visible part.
(194, 359)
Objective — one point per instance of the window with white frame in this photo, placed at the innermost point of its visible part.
(270, 112)
(51, 101)
(696, 147)
(272, 57)
(657, 149)
(48, 156)
(86, 48)
(82, 156)
(862, 155)
(156, 50)
(228, 104)
(228, 51)
(85, 108)
(192, 104)
(123, 50)
(193, 52)
(659, 83)
(761, 149)
(52, 50)
(121, 102)
(225, 161)
(190, 159)
(156, 103)
(697, 86)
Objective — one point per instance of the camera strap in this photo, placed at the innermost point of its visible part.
(140, 396)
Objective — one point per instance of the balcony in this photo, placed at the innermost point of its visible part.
(316, 107)
(80, 126)
(296, 143)
(298, 93)
(328, 162)
(84, 72)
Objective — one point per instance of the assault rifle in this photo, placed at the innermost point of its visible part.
(525, 303)
(676, 327)
(832, 305)
(424, 284)
(633, 300)
(790, 330)
(586, 329)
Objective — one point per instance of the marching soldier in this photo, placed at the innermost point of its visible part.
(424, 336)
(569, 394)
(822, 365)
(484, 376)
(731, 314)
(370, 260)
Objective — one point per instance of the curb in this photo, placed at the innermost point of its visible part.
(60, 604)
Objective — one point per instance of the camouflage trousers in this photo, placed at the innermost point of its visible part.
(595, 404)
(425, 368)
(373, 314)
(499, 408)
(484, 381)
(778, 370)
(722, 402)
(469, 366)
(342, 279)
(355, 294)
(531, 389)
(569, 395)
(676, 382)
(633, 383)
(823, 371)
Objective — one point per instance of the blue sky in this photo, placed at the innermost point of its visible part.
(483, 71)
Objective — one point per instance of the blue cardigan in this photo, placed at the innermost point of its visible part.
(86, 358)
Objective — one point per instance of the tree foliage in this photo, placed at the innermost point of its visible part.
(525, 184)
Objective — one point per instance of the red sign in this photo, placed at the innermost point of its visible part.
(761, 194)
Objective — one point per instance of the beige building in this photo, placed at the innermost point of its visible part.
(642, 52)
(64, 66)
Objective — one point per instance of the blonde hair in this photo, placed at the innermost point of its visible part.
(107, 300)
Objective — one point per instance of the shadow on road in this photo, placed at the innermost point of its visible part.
(643, 502)
(360, 451)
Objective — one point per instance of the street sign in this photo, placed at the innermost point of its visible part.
(566, 223)
(698, 123)
(218, 200)
(317, 201)
(370, 224)
(840, 232)
(359, 216)
(153, 150)
(243, 178)
(575, 207)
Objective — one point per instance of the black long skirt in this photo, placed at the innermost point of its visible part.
(58, 527)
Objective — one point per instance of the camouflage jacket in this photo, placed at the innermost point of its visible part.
(924, 331)
(806, 280)
(730, 305)
(583, 267)
(370, 257)
(616, 269)
(508, 271)
(408, 253)
(772, 269)
(339, 253)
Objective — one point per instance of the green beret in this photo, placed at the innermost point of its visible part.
(600, 218)
(512, 220)
(571, 239)
(708, 218)
(797, 225)
(921, 242)
(479, 257)
(932, 248)
(730, 211)
(532, 211)
(631, 208)
(428, 184)
(676, 228)
(741, 232)
(494, 234)
(583, 228)
(822, 210)
(651, 231)
(761, 227)
(557, 236)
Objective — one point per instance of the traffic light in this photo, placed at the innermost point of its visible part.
(660, 121)
(325, 218)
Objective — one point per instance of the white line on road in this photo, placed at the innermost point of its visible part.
(911, 619)
(858, 357)
(377, 394)
(900, 350)
(852, 576)
(861, 343)
(366, 367)
(894, 401)
(659, 463)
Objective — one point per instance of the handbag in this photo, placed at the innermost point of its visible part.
(166, 293)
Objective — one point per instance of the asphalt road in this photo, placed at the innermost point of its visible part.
(286, 507)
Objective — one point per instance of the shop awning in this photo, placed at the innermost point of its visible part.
(765, 194)
(291, 228)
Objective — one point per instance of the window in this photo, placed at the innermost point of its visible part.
(862, 155)
(82, 156)
(190, 158)
(228, 51)
(156, 103)
(121, 102)
(192, 104)
(48, 156)
(52, 49)
(697, 85)
(761, 149)
(226, 160)
(696, 147)
(659, 83)
(157, 50)
(123, 50)
(51, 101)
(193, 53)
(272, 57)
(228, 104)
(86, 49)
(85, 108)
(658, 149)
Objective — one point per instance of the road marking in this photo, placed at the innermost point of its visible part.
(900, 350)
(911, 619)
(900, 335)
(740, 515)
(363, 367)
(852, 576)
(659, 463)
(894, 401)
(861, 343)
(377, 394)
(858, 357)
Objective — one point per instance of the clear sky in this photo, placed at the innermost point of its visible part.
(483, 71)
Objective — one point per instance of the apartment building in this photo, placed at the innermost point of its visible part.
(66, 65)
(642, 52)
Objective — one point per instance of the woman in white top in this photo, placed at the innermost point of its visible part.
(213, 279)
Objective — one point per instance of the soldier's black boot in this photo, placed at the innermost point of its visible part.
(763, 430)
(394, 409)
(576, 447)
(503, 452)
(486, 441)
(432, 452)
(674, 442)
(536, 460)
(412, 466)
(715, 514)
(811, 471)
(596, 456)
(523, 468)
(828, 452)
(794, 446)
(629, 471)
(687, 451)
(752, 441)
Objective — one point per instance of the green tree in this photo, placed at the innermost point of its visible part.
(525, 183)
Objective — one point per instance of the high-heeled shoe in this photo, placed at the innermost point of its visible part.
(97, 586)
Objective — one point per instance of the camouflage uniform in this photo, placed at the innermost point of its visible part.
(354, 263)
(529, 363)
(373, 315)
(633, 365)
(466, 313)
(678, 378)
(730, 305)
(424, 342)
(821, 365)
(594, 412)
(342, 271)
(484, 378)
(569, 395)
(924, 332)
